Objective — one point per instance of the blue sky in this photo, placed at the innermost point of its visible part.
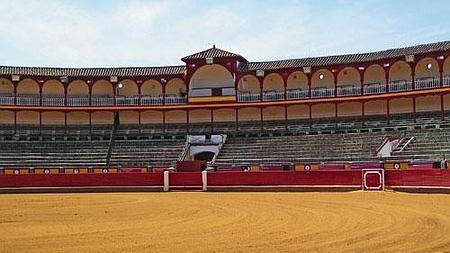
(86, 33)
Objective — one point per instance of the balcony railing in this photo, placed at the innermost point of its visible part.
(248, 97)
(151, 100)
(426, 83)
(102, 101)
(78, 101)
(28, 100)
(400, 86)
(6, 99)
(124, 100)
(273, 95)
(174, 100)
(322, 92)
(53, 100)
(374, 88)
(348, 90)
(95, 100)
(446, 81)
(297, 94)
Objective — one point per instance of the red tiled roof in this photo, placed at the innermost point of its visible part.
(212, 52)
(92, 72)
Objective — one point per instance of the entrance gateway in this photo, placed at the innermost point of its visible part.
(373, 179)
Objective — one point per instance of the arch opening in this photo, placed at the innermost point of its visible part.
(211, 80)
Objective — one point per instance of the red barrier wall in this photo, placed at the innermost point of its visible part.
(185, 179)
(322, 178)
(71, 180)
(427, 177)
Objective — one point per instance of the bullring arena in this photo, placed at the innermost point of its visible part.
(218, 154)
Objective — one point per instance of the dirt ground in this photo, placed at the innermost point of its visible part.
(225, 222)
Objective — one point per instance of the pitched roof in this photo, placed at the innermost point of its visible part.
(92, 72)
(348, 58)
(212, 52)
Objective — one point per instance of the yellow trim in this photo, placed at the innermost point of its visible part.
(212, 99)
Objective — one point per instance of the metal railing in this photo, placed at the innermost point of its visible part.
(273, 95)
(446, 81)
(151, 100)
(173, 100)
(124, 100)
(101, 101)
(374, 88)
(28, 100)
(53, 101)
(322, 92)
(297, 94)
(348, 90)
(78, 101)
(248, 97)
(397, 86)
(95, 100)
(7, 99)
(426, 83)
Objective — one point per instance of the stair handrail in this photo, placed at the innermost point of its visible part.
(112, 138)
(406, 144)
(224, 138)
(186, 147)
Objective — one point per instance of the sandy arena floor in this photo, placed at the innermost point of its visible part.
(225, 222)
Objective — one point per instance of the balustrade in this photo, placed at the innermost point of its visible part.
(95, 100)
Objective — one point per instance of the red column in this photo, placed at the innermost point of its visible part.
(40, 122)
(413, 75)
(15, 122)
(261, 89)
(414, 109)
(261, 118)
(90, 122)
(212, 119)
(187, 121)
(237, 119)
(335, 114)
(441, 70)
(442, 108)
(363, 112)
(65, 93)
(286, 117)
(386, 77)
(40, 94)
(90, 94)
(164, 120)
(335, 82)
(310, 116)
(163, 94)
(115, 94)
(15, 83)
(309, 84)
(139, 93)
(139, 119)
(361, 79)
(387, 111)
(285, 86)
